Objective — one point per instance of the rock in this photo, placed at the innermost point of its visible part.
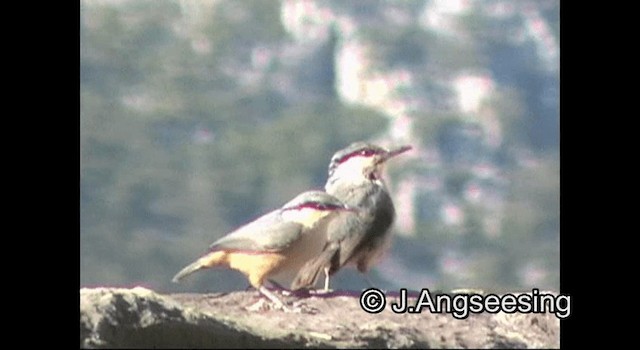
(139, 317)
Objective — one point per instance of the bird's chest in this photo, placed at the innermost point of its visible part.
(375, 207)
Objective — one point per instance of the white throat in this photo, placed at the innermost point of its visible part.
(351, 172)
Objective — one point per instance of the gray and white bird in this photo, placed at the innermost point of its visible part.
(360, 237)
(276, 244)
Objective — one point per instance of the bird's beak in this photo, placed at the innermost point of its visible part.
(393, 153)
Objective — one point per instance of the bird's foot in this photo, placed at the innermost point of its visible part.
(280, 288)
(302, 307)
(321, 291)
(265, 305)
(260, 305)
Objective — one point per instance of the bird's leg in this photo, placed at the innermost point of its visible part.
(279, 304)
(276, 284)
(326, 289)
(267, 293)
(258, 305)
(282, 289)
(326, 279)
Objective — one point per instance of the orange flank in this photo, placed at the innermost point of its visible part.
(255, 265)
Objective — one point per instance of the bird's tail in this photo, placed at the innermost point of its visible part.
(208, 260)
(308, 274)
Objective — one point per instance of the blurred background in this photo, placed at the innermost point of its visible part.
(199, 116)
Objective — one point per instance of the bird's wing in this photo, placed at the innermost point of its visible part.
(268, 233)
(344, 230)
(356, 232)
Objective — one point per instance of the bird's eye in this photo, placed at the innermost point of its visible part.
(363, 153)
(367, 152)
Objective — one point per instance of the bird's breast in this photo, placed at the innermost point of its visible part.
(308, 246)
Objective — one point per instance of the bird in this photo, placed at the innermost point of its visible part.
(359, 237)
(275, 244)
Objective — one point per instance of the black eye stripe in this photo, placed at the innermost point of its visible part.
(363, 152)
(315, 205)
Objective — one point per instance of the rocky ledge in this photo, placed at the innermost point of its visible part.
(142, 318)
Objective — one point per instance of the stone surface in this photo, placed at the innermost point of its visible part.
(141, 318)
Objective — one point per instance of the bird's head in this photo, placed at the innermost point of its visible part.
(362, 160)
